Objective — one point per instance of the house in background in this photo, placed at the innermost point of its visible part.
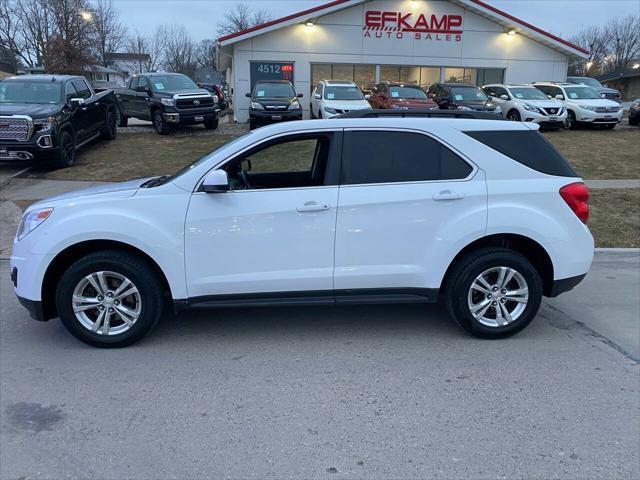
(7, 65)
(129, 64)
(627, 81)
(105, 77)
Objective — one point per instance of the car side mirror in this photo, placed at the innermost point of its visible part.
(559, 97)
(367, 97)
(445, 99)
(248, 95)
(141, 88)
(77, 102)
(317, 96)
(603, 95)
(504, 97)
(300, 95)
(216, 181)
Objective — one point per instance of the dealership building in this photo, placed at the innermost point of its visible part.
(371, 41)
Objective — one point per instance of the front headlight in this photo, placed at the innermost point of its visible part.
(256, 106)
(332, 111)
(588, 107)
(44, 124)
(294, 105)
(31, 220)
(530, 108)
(463, 107)
(399, 107)
(168, 102)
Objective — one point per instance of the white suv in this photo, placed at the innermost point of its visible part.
(484, 214)
(334, 97)
(525, 103)
(584, 104)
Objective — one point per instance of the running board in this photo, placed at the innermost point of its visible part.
(88, 140)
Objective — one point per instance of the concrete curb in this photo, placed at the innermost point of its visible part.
(618, 250)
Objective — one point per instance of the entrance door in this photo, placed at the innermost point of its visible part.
(274, 231)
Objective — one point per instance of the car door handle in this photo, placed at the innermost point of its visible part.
(448, 195)
(312, 207)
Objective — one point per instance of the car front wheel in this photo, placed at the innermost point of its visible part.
(514, 115)
(493, 292)
(160, 123)
(109, 299)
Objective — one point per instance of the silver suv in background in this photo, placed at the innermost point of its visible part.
(605, 92)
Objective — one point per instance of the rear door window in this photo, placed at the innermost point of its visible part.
(391, 157)
(82, 88)
(529, 148)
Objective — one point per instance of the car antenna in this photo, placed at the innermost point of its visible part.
(53, 79)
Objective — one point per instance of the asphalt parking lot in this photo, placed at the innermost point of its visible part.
(328, 392)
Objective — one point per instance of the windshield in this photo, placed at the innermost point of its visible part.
(25, 91)
(273, 90)
(581, 93)
(468, 94)
(171, 82)
(206, 157)
(406, 92)
(591, 82)
(528, 94)
(343, 93)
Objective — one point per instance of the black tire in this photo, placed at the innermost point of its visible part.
(160, 124)
(633, 121)
(211, 124)
(110, 130)
(464, 273)
(514, 116)
(609, 127)
(138, 271)
(123, 120)
(570, 123)
(319, 114)
(66, 151)
(253, 125)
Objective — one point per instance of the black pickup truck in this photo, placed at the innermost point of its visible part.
(168, 100)
(45, 118)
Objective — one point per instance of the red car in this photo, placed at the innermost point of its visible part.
(403, 96)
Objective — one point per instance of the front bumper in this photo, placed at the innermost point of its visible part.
(191, 116)
(40, 148)
(599, 118)
(34, 307)
(266, 116)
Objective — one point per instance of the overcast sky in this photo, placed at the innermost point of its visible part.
(561, 17)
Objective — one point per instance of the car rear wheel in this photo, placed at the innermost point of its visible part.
(110, 130)
(633, 121)
(514, 115)
(493, 292)
(123, 120)
(160, 124)
(109, 299)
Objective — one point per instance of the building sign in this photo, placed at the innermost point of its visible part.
(420, 26)
(271, 71)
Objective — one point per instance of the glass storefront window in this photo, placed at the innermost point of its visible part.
(363, 75)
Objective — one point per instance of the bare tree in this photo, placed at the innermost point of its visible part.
(241, 18)
(110, 34)
(594, 39)
(623, 41)
(146, 44)
(178, 49)
(70, 48)
(206, 54)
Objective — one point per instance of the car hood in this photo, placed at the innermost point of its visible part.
(346, 104)
(607, 90)
(189, 91)
(413, 102)
(543, 103)
(480, 106)
(110, 190)
(34, 110)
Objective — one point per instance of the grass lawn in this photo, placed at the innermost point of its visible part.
(615, 217)
(138, 155)
(600, 154)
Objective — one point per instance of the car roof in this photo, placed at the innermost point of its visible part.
(44, 78)
(464, 85)
(339, 82)
(401, 84)
(273, 81)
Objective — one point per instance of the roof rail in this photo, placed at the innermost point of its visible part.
(433, 113)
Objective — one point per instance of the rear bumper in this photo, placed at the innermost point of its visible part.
(565, 284)
(34, 307)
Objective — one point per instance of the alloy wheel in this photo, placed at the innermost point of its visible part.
(498, 296)
(106, 303)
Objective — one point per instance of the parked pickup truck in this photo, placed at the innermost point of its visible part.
(168, 100)
(45, 118)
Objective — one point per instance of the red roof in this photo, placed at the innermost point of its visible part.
(319, 8)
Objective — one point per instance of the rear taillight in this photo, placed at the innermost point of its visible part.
(577, 197)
